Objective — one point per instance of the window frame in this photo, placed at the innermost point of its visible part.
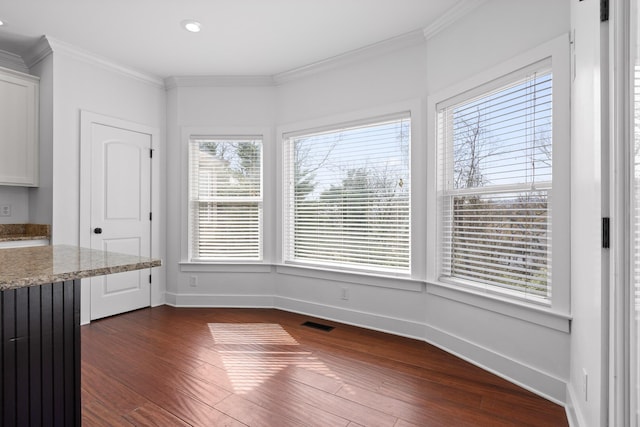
(229, 200)
(448, 193)
(226, 265)
(557, 51)
(288, 140)
(413, 279)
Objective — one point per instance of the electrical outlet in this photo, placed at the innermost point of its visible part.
(193, 281)
(5, 210)
(345, 294)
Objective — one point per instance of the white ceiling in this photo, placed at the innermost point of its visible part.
(238, 37)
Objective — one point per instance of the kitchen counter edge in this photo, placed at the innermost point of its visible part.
(34, 266)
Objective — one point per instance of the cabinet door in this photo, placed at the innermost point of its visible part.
(18, 129)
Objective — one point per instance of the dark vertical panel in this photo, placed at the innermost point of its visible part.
(22, 356)
(58, 355)
(77, 349)
(9, 357)
(40, 355)
(69, 354)
(35, 351)
(46, 360)
(2, 339)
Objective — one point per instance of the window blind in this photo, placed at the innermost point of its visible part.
(495, 186)
(225, 198)
(348, 196)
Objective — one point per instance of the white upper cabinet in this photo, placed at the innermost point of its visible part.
(18, 128)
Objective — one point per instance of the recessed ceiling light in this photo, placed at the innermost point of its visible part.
(1, 22)
(191, 25)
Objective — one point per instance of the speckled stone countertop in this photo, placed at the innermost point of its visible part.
(31, 266)
(16, 232)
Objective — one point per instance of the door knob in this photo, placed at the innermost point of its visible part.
(97, 230)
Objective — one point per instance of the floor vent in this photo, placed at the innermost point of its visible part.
(320, 326)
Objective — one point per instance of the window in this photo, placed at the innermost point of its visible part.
(495, 146)
(225, 198)
(347, 196)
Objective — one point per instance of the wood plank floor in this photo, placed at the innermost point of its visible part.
(169, 366)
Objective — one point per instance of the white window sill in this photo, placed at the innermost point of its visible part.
(210, 267)
(536, 314)
(379, 280)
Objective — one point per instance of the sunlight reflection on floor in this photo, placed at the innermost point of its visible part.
(252, 353)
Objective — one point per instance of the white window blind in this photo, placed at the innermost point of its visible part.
(348, 196)
(225, 198)
(495, 186)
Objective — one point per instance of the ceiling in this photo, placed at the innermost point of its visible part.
(238, 37)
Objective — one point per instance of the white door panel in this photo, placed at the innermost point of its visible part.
(120, 207)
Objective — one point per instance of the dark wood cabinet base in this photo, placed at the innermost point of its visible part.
(40, 355)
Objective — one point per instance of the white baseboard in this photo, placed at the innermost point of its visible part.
(523, 375)
(574, 417)
(229, 301)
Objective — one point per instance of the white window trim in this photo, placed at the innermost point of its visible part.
(558, 51)
(417, 200)
(187, 132)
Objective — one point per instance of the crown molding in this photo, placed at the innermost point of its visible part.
(38, 52)
(217, 81)
(461, 9)
(46, 45)
(395, 43)
(13, 62)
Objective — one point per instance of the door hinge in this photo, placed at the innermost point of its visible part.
(149, 278)
(604, 10)
(151, 153)
(606, 243)
(150, 216)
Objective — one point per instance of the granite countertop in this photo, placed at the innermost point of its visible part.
(16, 232)
(31, 266)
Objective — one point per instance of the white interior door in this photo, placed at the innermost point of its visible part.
(120, 214)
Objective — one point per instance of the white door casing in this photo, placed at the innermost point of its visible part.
(116, 185)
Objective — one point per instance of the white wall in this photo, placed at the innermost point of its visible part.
(41, 198)
(495, 32)
(372, 82)
(18, 198)
(531, 352)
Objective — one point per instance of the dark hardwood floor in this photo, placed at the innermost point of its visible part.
(169, 366)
